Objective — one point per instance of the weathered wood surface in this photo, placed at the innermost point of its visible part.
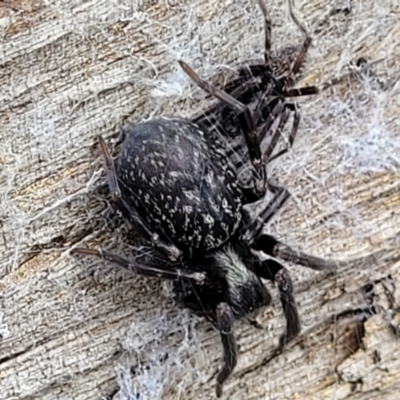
(72, 328)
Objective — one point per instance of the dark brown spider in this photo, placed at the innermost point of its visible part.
(177, 181)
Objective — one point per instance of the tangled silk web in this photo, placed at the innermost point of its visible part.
(63, 93)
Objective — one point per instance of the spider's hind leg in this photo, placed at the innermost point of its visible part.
(224, 323)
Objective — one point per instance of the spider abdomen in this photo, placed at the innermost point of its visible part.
(182, 185)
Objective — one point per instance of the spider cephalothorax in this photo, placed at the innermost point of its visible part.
(178, 181)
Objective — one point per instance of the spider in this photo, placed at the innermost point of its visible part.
(178, 182)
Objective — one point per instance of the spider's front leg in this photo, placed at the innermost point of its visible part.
(274, 271)
(197, 278)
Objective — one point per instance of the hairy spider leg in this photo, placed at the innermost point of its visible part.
(283, 118)
(303, 52)
(255, 227)
(267, 33)
(277, 273)
(242, 89)
(270, 111)
(225, 322)
(269, 245)
(275, 109)
(268, 157)
(220, 95)
(288, 91)
(110, 171)
(142, 269)
(249, 122)
(258, 240)
(286, 107)
(267, 68)
(309, 90)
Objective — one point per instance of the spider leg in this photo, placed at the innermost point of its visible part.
(267, 32)
(170, 251)
(283, 118)
(218, 93)
(142, 269)
(303, 91)
(115, 190)
(269, 245)
(310, 90)
(225, 322)
(275, 109)
(270, 112)
(296, 121)
(306, 44)
(299, 63)
(110, 171)
(254, 229)
(243, 112)
(279, 111)
(261, 107)
(243, 89)
(272, 270)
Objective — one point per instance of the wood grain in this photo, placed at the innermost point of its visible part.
(81, 329)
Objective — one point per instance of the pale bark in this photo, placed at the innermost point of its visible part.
(72, 328)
